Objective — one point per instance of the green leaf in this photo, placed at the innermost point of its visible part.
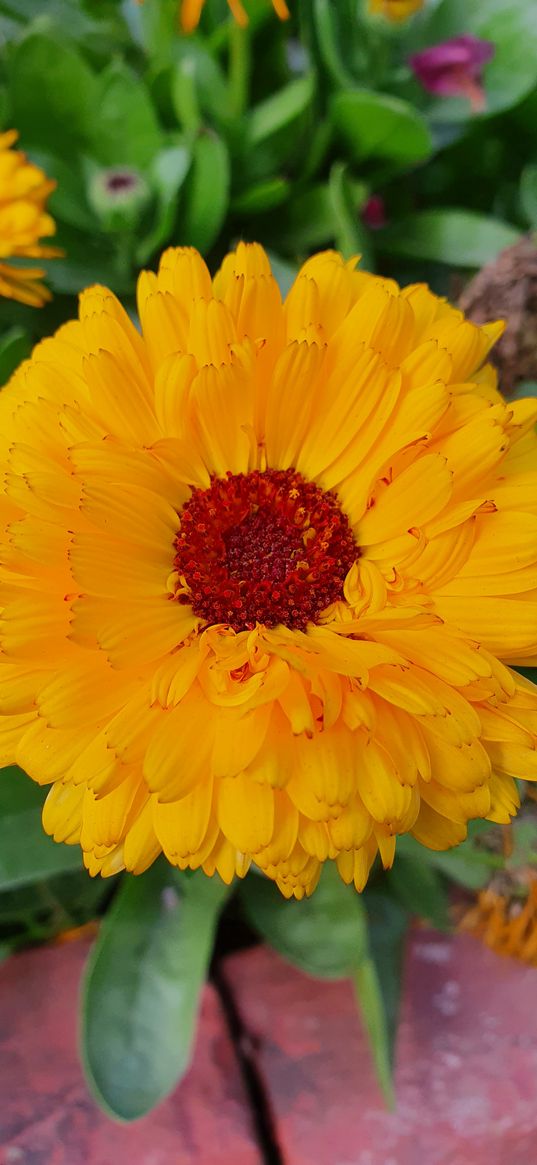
(262, 196)
(195, 66)
(323, 935)
(528, 194)
(350, 237)
(372, 125)
(369, 996)
(26, 853)
(15, 345)
(333, 31)
(88, 259)
(388, 928)
(419, 888)
(64, 14)
(327, 936)
(167, 175)
(125, 130)
(512, 27)
(68, 202)
(308, 220)
(465, 864)
(142, 987)
(460, 238)
(53, 95)
(279, 111)
(206, 193)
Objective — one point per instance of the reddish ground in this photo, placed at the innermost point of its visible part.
(466, 1069)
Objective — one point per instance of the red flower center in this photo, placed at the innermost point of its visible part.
(263, 548)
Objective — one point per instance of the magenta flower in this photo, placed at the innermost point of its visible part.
(454, 68)
(374, 212)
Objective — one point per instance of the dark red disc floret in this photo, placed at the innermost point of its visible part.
(263, 547)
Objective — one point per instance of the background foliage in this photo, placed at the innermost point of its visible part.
(282, 134)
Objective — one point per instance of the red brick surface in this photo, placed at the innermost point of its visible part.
(466, 1066)
(46, 1114)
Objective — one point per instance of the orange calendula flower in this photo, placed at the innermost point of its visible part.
(24, 190)
(395, 10)
(263, 567)
(505, 919)
(190, 12)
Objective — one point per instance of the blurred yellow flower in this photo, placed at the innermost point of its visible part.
(395, 10)
(506, 921)
(190, 12)
(260, 564)
(24, 189)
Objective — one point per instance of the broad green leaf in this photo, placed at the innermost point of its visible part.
(511, 25)
(460, 238)
(142, 987)
(373, 125)
(26, 853)
(272, 132)
(206, 193)
(53, 95)
(125, 130)
(15, 345)
(323, 935)
(419, 888)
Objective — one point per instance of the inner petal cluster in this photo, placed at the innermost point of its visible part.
(263, 547)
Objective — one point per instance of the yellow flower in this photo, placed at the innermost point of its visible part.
(24, 190)
(395, 10)
(260, 566)
(190, 12)
(505, 919)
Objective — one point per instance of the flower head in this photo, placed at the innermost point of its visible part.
(374, 212)
(190, 12)
(454, 68)
(260, 565)
(24, 190)
(118, 195)
(395, 11)
(505, 918)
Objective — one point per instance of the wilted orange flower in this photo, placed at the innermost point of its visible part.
(260, 566)
(395, 10)
(24, 190)
(507, 922)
